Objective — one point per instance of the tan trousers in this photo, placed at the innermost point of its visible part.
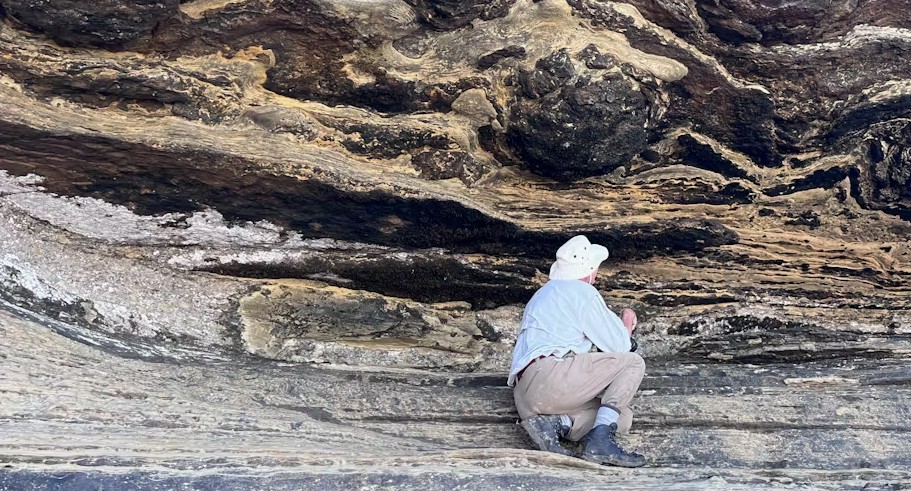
(578, 385)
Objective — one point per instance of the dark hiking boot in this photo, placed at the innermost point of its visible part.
(600, 446)
(545, 432)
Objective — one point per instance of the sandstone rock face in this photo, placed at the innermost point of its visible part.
(291, 239)
(104, 23)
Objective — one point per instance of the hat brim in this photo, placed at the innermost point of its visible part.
(563, 270)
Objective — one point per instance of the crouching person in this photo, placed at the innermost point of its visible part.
(562, 389)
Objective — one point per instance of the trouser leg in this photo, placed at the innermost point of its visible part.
(578, 385)
(621, 390)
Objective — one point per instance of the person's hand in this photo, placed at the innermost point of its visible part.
(628, 316)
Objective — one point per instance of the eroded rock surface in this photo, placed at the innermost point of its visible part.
(105, 23)
(313, 225)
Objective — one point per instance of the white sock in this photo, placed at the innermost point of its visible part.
(606, 416)
(566, 420)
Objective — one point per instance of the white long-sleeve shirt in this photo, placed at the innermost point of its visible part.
(564, 316)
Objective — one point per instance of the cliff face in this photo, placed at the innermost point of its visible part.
(219, 187)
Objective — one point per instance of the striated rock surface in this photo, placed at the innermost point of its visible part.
(104, 24)
(289, 241)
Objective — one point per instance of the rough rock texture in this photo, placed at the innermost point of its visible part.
(100, 23)
(569, 128)
(290, 240)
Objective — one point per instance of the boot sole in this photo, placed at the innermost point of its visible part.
(611, 462)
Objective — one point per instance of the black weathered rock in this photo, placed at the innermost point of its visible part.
(494, 57)
(743, 21)
(725, 24)
(389, 94)
(594, 58)
(582, 130)
(695, 153)
(453, 14)
(712, 194)
(888, 180)
(306, 39)
(550, 73)
(108, 24)
(891, 170)
(807, 218)
(741, 117)
(422, 278)
(826, 178)
(444, 164)
(387, 141)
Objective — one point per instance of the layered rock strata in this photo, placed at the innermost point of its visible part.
(262, 187)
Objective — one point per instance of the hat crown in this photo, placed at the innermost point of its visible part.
(576, 250)
(577, 258)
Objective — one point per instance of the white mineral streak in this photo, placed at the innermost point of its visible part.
(124, 296)
(19, 184)
(888, 91)
(831, 379)
(857, 37)
(862, 34)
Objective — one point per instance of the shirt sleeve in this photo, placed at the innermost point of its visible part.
(603, 327)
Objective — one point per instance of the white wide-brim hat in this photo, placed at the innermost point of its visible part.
(577, 258)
